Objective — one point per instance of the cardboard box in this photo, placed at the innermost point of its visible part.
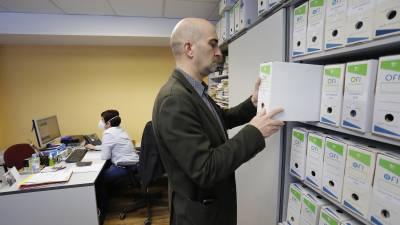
(335, 24)
(386, 18)
(315, 26)
(359, 24)
(296, 191)
(289, 85)
(358, 179)
(386, 119)
(332, 94)
(231, 22)
(248, 13)
(385, 206)
(331, 215)
(311, 207)
(358, 95)
(334, 164)
(315, 158)
(300, 30)
(236, 9)
(298, 152)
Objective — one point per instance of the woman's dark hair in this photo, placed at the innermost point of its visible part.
(111, 116)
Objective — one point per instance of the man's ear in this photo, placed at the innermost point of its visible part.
(188, 49)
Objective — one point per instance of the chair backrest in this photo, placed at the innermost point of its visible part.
(150, 166)
(16, 154)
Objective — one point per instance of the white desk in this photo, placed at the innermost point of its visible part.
(71, 203)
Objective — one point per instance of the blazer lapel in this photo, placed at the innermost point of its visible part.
(180, 77)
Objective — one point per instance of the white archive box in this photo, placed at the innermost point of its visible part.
(218, 30)
(331, 215)
(231, 22)
(296, 191)
(385, 205)
(236, 9)
(262, 6)
(290, 85)
(315, 158)
(248, 13)
(225, 5)
(358, 178)
(332, 94)
(386, 18)
(359, 90)
(272, 3)
(225, 26)
(359, 24)
(299, 36)
(298, 152)
(315, 25)
(334, 165)
(386, 119)
(311, 207)
(335, 24)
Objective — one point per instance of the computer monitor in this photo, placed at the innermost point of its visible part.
(46, 130)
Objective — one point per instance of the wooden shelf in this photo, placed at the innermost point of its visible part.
(368, 136)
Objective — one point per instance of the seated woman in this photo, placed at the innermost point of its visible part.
(117, 147)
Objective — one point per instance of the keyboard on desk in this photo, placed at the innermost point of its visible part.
(76, 156)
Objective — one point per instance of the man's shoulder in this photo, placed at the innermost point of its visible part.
(173, 88)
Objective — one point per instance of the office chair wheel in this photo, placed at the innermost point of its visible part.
(122, 216)
(147, 222)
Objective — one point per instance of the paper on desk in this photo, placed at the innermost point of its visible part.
(47, 178)
(84, 169)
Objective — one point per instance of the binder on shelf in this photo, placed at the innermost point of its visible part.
(385, 206)
(236, 9)
(332, 94)
(300, 30)
(315, 25)
(359, 24)
(358, 95)
(289, 85)
(225, 26)
(358, 178)
(231, 22)
(386, 18)
(298, 152)
(262, 6)
(335, 24)
(315, 158)
(386, 118)
(248, 13)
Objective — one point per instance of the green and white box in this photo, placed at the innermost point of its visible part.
(300, 30)
(298, 152)
(387, 18)
(290, 85)
(358, 178)
(385, 206)
(315, 158)
(386, 119)
(236, 9)
(334, 164)
(358, 95)
(231, 22)
(296, 191)
(331, 215)
(316, 25)
(359, 24)
(311, 207)
(332, 94)
(335, 24)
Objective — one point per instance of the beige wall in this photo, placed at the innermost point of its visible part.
(77, 83)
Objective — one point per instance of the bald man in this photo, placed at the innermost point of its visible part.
(191, 134)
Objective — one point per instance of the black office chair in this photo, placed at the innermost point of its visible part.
(150, 169)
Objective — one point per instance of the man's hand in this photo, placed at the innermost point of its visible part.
(254, 97)
(266, 124)
(89, 146)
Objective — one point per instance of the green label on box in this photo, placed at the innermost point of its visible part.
(393, 65)
(298, 135)
(335, 147)
(333, 72)
(359, 69)
(317, 3)
(300, 10)
(392, 167)
(295, 193)
(309, 205)
(329, 219)
(266, 69)
(315, 140)
(360, 156)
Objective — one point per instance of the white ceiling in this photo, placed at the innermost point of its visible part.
(207, 9)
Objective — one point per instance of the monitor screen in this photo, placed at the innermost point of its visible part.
(46, 130)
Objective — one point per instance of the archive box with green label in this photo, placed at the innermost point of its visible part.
(330, 215)
(311, 207)
(315, 158)
(298, 152)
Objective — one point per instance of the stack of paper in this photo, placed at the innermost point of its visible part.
(46, 178)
